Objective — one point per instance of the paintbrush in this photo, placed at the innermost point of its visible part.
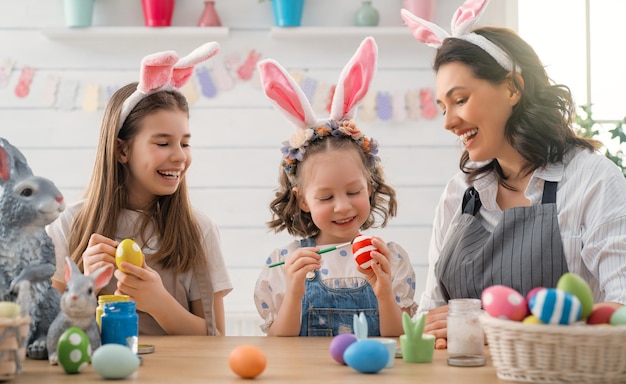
(318, 252)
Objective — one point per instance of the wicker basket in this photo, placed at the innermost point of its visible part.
(13, 339)
(577, 353)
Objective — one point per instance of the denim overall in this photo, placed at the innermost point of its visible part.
(523, 252)
(330, 311)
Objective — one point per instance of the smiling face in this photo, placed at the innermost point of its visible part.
(336, 192)
(157, 157)
(475, 110)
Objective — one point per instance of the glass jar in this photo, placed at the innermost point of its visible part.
(366, 15)
(120, 324)
(107, 299)
(466, 340)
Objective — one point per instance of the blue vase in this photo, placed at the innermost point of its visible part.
(366, 15)
(287, 13)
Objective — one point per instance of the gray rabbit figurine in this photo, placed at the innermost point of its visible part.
(78, 306)
(27, 204)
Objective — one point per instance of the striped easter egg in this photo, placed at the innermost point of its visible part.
(554, 306)
(361, 249)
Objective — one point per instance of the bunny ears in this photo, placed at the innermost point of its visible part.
(351, 88)
(289, 98)
(165, 71)
(463, 20)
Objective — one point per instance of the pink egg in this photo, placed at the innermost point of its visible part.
(504, 302)
(361, 249)
(339, 344)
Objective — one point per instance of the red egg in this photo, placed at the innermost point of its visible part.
(504, 302)
(601, 315)
(361, 249)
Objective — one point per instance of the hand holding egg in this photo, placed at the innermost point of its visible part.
(130, 252)
(361, 249)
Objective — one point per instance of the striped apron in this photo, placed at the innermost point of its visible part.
(524, 250)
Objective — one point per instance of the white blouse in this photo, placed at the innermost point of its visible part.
(591, 209)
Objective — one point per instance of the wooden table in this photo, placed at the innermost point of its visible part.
(197, 359)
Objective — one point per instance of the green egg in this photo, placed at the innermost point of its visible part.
(619, 317)
(74, 350)
(577, 286)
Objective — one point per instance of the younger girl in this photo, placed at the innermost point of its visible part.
(138, 190)
(331, 186)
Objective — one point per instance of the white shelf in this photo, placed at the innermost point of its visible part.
(328, 32)
(210, 33)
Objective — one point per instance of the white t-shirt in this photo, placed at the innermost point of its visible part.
(591, 210)
(338, 271)
(128, 227)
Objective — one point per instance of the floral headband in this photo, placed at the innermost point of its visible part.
(465, 17)
(165, 71)
(352, 87)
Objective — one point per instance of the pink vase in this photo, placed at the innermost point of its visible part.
(209, 17)
(158, 13)
(421, 8)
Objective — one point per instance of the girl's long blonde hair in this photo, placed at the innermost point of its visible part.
(180, 239)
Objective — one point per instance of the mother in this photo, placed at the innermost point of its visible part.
(532, 200)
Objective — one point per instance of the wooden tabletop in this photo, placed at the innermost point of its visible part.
(197, 359)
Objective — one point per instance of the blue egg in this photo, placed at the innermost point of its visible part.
(554, 306)
(366, 356)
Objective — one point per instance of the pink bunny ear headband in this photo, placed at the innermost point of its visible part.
(465, 17)
(165, 71)
(350, 90)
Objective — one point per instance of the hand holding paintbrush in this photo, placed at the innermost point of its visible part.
(321, 251)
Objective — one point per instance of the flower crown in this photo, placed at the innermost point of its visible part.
(352, 87)
(294, 149)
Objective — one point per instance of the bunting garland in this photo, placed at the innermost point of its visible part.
(217, 77)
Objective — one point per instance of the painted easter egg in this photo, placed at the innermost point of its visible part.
(339, 344)
(532, 319)
(619, 316)
(554, 306)
(73, 350)
(247, 361)
(577, 286)
(130, 252)
(9, 309)
(361, 249)
(114, 361)
(601, 315)
(366, 356)
(504, 302)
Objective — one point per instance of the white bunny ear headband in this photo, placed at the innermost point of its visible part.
(465, 17)
(350, 90)
(165, 71)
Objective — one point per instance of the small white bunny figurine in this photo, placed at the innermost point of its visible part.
(27, 204)
(78, 306)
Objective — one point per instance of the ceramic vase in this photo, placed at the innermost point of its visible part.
(78, 13)
(158, 13)
(424, 9)
(287, 13)
(209, 17)
(366, 15)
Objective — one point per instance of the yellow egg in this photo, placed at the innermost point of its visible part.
(9, 309)
(532, 319)
(130, 252)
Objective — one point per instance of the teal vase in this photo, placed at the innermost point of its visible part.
(366, 15)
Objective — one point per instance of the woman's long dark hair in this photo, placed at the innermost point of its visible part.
(540, 126)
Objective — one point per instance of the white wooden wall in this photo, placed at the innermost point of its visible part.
(236, 134)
